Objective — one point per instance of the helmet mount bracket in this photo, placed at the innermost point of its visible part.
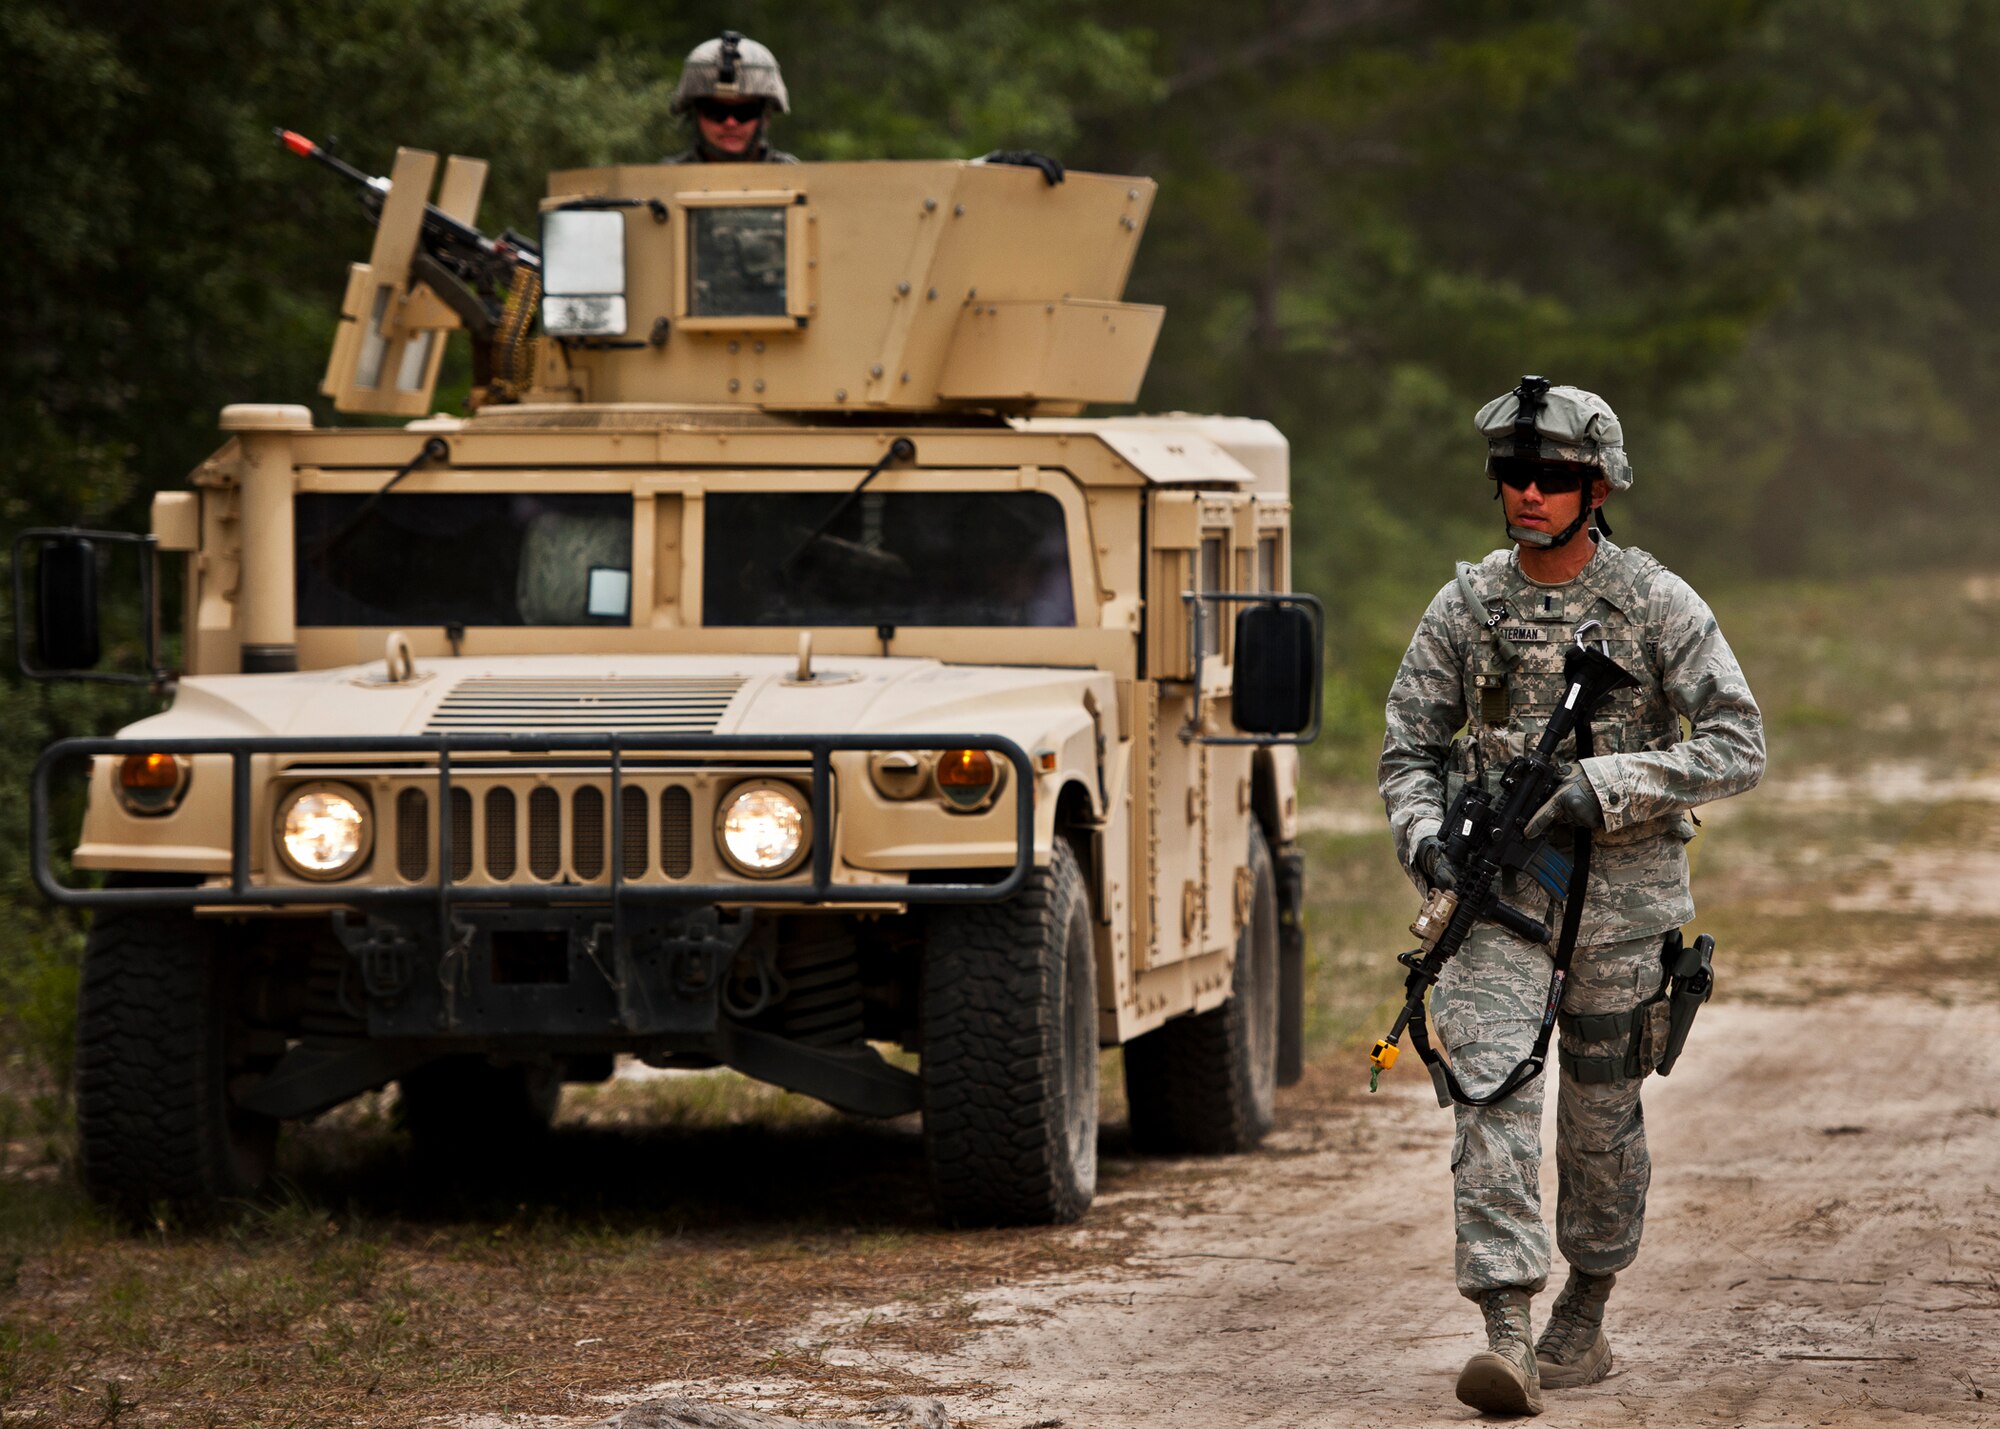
(1529, 399)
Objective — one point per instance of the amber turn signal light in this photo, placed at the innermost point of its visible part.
(150, 771)
(966, 776)
(151, 783)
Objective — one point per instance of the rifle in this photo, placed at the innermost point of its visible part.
(1485, 837)
(464, 267)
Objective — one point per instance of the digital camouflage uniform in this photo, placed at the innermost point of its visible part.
(1460, 710)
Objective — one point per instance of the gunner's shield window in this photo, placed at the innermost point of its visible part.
(736, 262)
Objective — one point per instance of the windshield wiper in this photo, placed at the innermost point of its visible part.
(901, 449)
(435, 449)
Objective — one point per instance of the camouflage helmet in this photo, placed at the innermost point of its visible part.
(1561, 424)
(730, 67)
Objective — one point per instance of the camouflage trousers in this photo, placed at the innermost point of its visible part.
(1486, 1010)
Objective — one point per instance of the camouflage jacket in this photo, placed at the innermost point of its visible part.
(1461, 708)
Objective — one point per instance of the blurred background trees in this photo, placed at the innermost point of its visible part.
(1765, 229)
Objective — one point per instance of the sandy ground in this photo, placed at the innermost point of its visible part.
(1822, 1246)
(1821, 1249)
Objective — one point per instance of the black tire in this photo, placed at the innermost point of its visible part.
(1207, 1084)
(467, 1106)
(1009, 1059)
(156, 1046)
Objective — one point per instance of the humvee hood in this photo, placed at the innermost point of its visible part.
(659, 694)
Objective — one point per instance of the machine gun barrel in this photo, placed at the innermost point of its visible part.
(448, 239)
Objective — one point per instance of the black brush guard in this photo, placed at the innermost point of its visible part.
(665, 1002)
(817, 888)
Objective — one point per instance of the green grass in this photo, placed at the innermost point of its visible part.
(1851, 673)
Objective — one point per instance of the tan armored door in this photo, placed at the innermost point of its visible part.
(1194, 823)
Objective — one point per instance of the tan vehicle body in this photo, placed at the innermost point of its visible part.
(972, 310)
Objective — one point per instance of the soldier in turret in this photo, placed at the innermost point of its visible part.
(1478, 683)
(730, 87)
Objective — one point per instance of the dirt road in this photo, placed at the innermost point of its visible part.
(1821, 1249)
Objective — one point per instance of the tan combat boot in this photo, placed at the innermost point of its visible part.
(1502, 1378)
(1573, 1350)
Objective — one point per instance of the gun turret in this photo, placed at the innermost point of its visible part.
(468, 271)
(976, 286)
(430, 271)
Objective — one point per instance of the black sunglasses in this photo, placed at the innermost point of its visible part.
(743, 111)
(1552, 478)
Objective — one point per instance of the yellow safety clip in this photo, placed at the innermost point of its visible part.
(1384, 1057)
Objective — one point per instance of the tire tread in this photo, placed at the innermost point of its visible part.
(989, 1083)
(153, 1126)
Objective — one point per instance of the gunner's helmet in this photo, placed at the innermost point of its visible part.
(730, 67)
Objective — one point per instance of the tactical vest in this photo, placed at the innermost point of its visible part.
(1513, 671)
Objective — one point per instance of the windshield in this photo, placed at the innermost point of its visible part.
(487, 558)
(893, 558)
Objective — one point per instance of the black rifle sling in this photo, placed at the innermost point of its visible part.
(1531, 1066)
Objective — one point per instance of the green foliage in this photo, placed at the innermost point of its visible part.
(896, 80)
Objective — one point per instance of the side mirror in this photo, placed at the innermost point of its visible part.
(67, 641)
(66, 611)
(1277, 674)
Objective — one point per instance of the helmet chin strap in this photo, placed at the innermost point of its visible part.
(1542, 540)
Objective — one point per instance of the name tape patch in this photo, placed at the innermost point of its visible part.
(1526, 634)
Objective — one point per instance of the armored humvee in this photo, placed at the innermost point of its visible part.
(772, 667)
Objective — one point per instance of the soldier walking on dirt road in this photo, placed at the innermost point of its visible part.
(1479, 681)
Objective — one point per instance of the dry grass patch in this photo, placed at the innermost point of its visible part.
(680, 1229)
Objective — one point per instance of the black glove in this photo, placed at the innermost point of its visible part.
(1052, 169)
(1574, 802)
(1430, 861)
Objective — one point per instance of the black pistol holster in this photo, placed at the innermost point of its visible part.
(1687, 980)
(1687, 977)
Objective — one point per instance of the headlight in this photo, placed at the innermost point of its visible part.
(323, 831)
(152, 783)
(762, 828)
